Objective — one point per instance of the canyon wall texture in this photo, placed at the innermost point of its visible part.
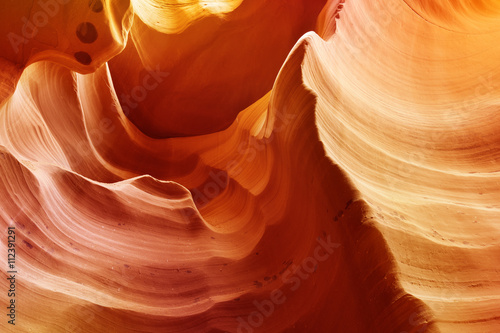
(250, 166)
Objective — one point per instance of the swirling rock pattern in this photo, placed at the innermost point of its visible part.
(251, 166)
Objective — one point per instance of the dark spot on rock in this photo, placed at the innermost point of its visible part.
(287, 264)
(256, 253)
(86, 32)
(348, 204)
(257, 284)
(96, 6)
(188, 271)
(126, 266)
(27, 244)
(83, 58)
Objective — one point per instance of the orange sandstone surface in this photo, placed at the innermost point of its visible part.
(250, 166)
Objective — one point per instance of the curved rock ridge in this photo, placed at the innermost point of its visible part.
(195, 82)
(172, 17)
(170, 262)
(81, 35)
(412, 120)
(231, 172)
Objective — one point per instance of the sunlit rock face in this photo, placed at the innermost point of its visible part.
(250, 166)
(195, 80)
